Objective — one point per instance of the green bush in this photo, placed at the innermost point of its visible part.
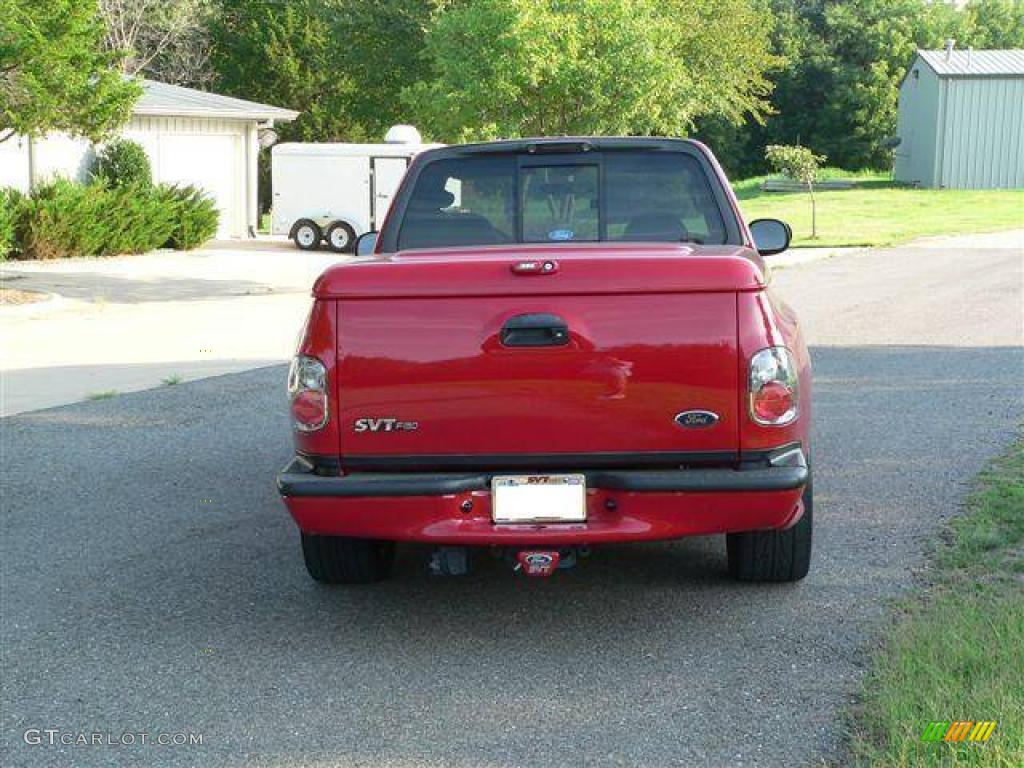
(10, 205)
(63, 219)
(195, 216)
(122, 163)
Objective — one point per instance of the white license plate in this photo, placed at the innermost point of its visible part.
(539, 499)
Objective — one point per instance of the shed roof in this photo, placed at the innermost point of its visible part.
(163, 99)
(1002, 63)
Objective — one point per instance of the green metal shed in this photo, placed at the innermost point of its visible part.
(961, 120)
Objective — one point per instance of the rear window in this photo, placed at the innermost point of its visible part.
(617, 196)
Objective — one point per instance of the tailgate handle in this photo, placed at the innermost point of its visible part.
(540, 330)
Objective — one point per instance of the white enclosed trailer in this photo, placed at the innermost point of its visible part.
(335, 192)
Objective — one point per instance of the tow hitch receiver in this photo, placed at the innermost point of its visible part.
(538, 563)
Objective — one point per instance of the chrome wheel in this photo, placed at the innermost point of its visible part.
(305, 236)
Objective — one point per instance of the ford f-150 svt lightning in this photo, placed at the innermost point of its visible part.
(553, 344)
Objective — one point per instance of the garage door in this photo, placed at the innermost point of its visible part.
(212, 162)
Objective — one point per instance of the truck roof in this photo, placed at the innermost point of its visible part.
(563, 144)
(351, 150)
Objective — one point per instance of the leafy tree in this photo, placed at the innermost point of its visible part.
(844, 61)
(382, 54)
(799, 164)
(284, 54)
(55, 74)
(872, 43)
(341, 63)
(802, 89)
(993, 24)
(532, 67)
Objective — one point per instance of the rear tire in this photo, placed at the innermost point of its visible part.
(340, 237)
(774, 556)
(343, 560)
(306, 235)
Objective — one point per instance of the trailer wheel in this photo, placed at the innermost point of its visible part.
(341, 237)
(306, 235)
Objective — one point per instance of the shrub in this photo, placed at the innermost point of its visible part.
(137, 219)
(122, 163)
(10, 206)
(195, 215)
(63, 219)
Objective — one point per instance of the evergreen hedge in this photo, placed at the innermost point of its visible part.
(10, 201)
(195, 216)
(63, 219)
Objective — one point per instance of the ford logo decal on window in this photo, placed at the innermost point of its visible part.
(696, 419)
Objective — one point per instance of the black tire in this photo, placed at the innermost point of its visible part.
(340, 237)
(342, 560)
(306, 235)
(774, 555)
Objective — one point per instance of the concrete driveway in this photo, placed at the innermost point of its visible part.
(152, 581)
(134, 322)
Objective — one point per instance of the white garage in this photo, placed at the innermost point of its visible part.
(191, 137)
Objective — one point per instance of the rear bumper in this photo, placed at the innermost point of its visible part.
(622, 504)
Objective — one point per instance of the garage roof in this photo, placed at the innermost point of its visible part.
(163, 99)
(1005, 63)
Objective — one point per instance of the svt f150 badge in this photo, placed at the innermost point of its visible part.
(385, 425)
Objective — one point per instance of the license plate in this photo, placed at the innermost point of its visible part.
(539, 499)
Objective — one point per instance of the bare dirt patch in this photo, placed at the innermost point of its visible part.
(14, 296)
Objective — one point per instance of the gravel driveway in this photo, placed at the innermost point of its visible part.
(152, 580)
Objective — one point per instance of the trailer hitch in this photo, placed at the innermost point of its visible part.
(535, 562)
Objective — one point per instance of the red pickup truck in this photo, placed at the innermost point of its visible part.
(553, 344)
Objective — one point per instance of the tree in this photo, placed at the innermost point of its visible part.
(802, 89)
(382, 54)
(164, 39)
(844, 61)
(799, 164)
(56, 75)
(283, 53)
(544, 67)
(872, 43)
(341, 63)
(993, 24)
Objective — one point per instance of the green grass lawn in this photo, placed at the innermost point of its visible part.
(957, 652)
(880, 212)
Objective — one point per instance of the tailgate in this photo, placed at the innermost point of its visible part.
(423, 377)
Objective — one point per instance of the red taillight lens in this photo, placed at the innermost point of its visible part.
(772, 402)
(308, 409)
(774, 395)
(307, 391)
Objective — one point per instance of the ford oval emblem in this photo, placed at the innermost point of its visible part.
(696, 419)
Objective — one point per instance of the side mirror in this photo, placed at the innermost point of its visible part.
(366, 243)
(770, 236)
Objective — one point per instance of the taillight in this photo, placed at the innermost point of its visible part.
(307, 392)
(774, 391)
